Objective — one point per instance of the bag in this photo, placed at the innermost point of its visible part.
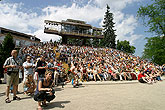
(11, 70)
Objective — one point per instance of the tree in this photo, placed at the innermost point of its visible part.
(8, 45)
(125, 46)
(109, 32)
(5, 50)
(88, 42)
(153, 16)
(74, 41)
(95, 42)
(155, 50)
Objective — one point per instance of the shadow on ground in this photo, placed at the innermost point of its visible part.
(2, 94)
(59, 104)
(28, 97)
(81, 86)
(59, 89)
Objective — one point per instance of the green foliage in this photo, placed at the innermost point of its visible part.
(109, 32)
(95, 42)
(5, 50)
(125, 46)
(8, 45)
(153, 16)
(74, 41)
(88, 42)
(155, 50)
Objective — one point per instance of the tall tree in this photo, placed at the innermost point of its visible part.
(125, 46)
(8, 45)
(109, 32)
(5, 50)
(153, 16)
(155, 50)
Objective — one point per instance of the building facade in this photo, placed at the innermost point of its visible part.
(20, 39)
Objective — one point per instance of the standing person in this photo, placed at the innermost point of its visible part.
(28, 67)
(51, 67)
(41, 67)
(74, 76)
(12, 75)
(44, 86)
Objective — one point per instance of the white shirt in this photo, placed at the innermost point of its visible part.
(29, 70)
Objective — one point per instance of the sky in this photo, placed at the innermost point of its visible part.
(27, 16)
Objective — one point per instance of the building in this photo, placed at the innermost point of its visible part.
(20, 39)
(72, 29)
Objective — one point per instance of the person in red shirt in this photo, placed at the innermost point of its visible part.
(142, 78)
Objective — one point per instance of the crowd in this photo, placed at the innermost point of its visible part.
(90, 63)
(43, 69)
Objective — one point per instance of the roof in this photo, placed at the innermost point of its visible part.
(4, 30)
(69, 23)
(76, 21)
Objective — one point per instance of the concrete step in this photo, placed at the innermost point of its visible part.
(111, 82)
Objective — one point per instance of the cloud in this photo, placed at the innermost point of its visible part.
(13, 17)
(116, 5)
(46, 37)
(125, 29)
(88, 13)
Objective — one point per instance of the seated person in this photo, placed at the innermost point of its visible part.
(44, 92)
(101, 72)
(95, 72)
(90, 74)
(158, 76)
(29, 85)
(85, 74)
(142, 78)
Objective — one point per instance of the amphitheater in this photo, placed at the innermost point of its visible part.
(100, 95)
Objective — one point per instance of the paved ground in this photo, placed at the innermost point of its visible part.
(125, 95)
